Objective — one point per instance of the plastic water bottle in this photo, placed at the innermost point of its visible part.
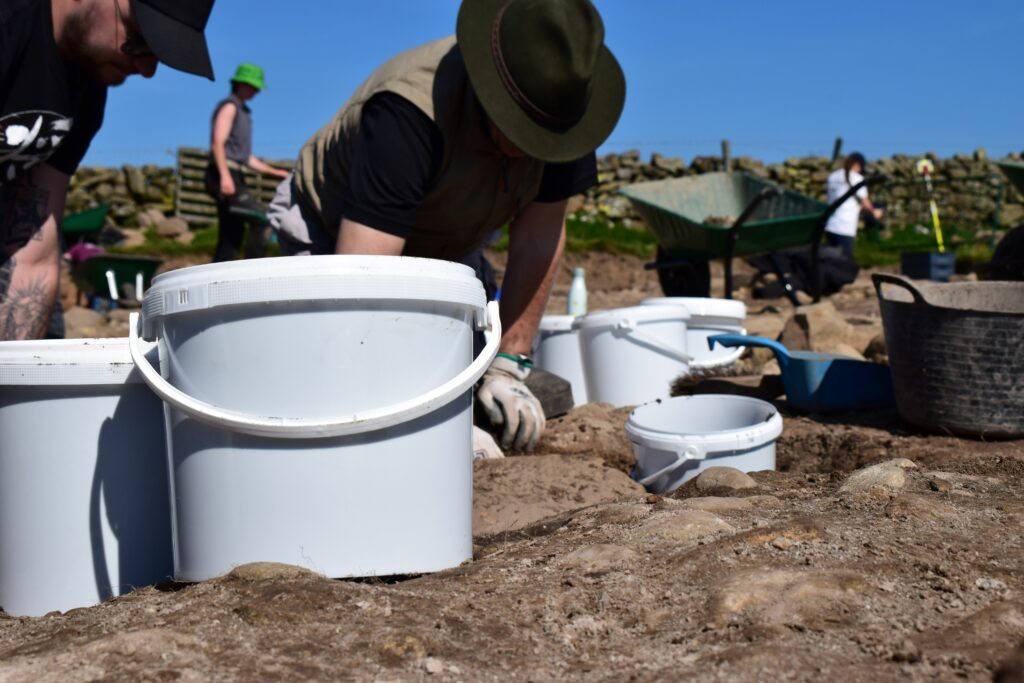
(578, 293)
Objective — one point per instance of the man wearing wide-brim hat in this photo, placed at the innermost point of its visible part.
(230, 154)
(57, 58)
(445, 143)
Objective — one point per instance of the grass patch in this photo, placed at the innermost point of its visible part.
(204, 243)
(584, 233)
(970, 248)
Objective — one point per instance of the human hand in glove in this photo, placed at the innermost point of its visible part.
(509, 404)
(484, 446)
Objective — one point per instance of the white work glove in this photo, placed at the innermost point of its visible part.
(510, 405)
(484, 446)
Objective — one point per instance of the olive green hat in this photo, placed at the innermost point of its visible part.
(250, 74)
(542, 73)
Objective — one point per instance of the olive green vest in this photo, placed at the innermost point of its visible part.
(476, 188)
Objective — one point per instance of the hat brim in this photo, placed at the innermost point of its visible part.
(607, 97)
(178, 46)
(259, 86)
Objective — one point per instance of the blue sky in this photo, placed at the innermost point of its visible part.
(778, 79)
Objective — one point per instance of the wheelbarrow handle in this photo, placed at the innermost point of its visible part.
(878, 279)
(765, 194)
(770, 192)
(729, 340)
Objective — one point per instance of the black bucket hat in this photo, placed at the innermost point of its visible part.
(542, 73)
(173, 30)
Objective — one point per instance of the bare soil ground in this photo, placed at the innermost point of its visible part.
(824, 570)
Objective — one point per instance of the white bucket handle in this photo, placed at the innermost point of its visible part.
(631, 328)
(723, 361)
(302, 428)
(686, 455)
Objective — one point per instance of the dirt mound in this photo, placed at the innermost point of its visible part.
(514, 492)
(595, 429)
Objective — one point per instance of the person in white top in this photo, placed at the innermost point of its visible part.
(841, 229)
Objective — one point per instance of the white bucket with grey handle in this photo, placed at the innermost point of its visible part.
(319, 411)
(676, 439)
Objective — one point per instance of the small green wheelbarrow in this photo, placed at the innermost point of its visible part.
(823, 382)
(79, 226)
(115, 276)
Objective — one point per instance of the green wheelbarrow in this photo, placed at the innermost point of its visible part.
(1014, 171)
(724, 215)
(85, 223)
(115, 276)
(823, 382)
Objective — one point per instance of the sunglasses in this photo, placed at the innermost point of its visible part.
(134, 44)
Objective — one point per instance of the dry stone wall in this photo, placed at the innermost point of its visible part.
(970, 190)
(968, 187)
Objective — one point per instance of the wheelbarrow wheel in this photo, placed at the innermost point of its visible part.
(686, 277)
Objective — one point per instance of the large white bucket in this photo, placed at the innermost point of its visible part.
(320, 411)
(676, 439)
(708, 317)
(632, 355)
(556, 349)
(84, 507)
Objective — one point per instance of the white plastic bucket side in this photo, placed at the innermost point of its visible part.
(676, 439)
(393, 501)
(631, 357)
(84, 503)
(558, 351)
(294, 471)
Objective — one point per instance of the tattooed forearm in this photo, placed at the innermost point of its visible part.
(24, 307)
(24, 208)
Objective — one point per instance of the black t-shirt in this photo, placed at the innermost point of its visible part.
(399, 150)
(49, 109)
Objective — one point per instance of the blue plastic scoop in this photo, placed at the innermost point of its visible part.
(823, 382)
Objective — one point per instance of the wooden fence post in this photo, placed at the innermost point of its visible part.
(837, 150)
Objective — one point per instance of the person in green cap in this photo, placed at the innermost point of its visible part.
(230, 154)
(445, 143)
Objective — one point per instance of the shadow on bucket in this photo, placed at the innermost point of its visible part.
(129, 504)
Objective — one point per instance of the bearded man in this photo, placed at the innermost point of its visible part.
(57, 59)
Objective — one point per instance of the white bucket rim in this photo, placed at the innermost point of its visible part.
(70, 362)
(703, 307)
(312, 278)
(710, 442)
(558, 323)
(637, 314)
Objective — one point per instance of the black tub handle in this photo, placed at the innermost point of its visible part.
(879, 278)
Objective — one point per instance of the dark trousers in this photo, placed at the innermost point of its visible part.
(234, 215)
(844, 242)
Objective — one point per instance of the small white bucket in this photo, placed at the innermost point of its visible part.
(676, 439)
(84, 506)
(320, 411)
(708, 317)
(556, 349)
(632, 355)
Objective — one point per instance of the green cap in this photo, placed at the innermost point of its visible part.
(251, 74)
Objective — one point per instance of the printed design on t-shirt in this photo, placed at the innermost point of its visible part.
(28, 138)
